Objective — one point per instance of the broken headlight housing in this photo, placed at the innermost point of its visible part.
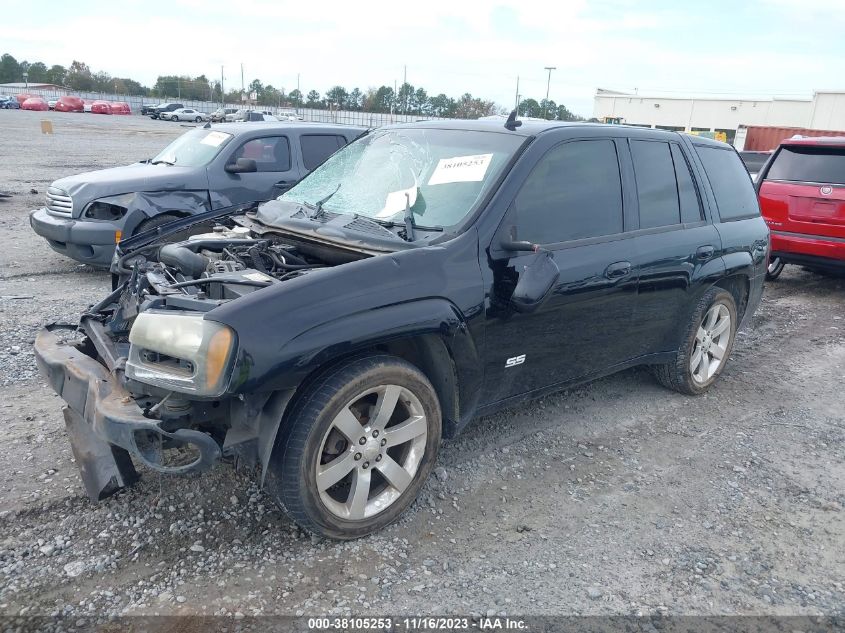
(180, 352)
(99, 210)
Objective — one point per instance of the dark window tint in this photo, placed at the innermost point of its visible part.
(731, 184)
(754, 161)
(809, 164)
(687, 194)
(318, 147)
(656, 188)
(574, 192)
(271, 153)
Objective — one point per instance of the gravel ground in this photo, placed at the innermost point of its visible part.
(615, 498)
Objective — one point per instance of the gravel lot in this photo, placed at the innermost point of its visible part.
(616, 498)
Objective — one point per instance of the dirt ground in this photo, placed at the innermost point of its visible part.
(615, 498)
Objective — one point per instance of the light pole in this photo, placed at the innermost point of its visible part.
(548, 83)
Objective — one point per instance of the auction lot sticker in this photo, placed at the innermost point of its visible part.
(460, 169)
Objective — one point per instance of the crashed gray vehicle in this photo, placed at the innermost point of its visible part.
(207, 168)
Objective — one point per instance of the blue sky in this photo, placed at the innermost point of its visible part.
(749, 48)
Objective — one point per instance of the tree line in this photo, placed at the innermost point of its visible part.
(406, 99)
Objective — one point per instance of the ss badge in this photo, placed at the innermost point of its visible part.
(513, 361)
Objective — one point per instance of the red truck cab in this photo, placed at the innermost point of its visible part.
(802, 198)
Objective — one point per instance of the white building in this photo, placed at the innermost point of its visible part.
(825, 111)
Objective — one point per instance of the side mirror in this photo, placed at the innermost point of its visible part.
(242, 166)
(510, 243)
(535, 283)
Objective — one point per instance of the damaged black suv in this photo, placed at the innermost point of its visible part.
(423, 276)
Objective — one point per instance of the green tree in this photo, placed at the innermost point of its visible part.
(529, 108)
(353, 102)
(295, 97)
(10, 69)
(79, 76)
(56, 75)
(404, 98)
(383, 99)
(337, 96)
(37, 72)
(441, 105)
(563, 114)
(313, 99)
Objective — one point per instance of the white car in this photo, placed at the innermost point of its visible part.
(186, 114)
(52, 103)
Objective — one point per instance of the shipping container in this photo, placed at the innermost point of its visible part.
(762, 138)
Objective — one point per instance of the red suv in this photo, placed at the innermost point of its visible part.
(802, 198)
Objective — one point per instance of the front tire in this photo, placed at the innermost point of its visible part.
(775, 268)
(707, 343)
(357, 447)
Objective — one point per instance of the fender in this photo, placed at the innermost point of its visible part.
(427, 324)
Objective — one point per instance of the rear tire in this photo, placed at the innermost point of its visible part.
(775, 268)
(706, 345)
(356, 448)
(198, 119)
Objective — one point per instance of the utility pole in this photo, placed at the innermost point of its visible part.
(222, 91)
(548, 83)
(404, 84)
(516, 105)
(178, 88)
(243, 87)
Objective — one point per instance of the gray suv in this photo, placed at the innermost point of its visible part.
(207, 168)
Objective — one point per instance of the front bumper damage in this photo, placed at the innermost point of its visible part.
(105, 424)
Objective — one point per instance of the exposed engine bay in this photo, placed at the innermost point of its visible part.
(207, 269)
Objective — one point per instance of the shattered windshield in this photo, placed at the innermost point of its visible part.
(193, 149)
(439, 174)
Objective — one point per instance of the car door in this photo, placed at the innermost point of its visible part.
(677, 248)
(572, 203)
(275, 170)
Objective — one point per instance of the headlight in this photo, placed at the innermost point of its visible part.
(181, 352)
(99, 210)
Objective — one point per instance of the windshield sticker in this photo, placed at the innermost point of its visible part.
(214, 138)
(396, 201)
(460, 169)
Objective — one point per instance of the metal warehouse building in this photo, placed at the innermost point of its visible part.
(825, 111)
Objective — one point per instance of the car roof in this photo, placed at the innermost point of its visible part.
(240, 127)
(814, 140)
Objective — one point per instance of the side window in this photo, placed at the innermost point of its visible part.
(271, 153)
(687, 193)
(574, 192)
(731, 183)
(657, 190)
(318, 147)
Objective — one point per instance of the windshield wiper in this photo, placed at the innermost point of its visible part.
(166, 162)
(319, 206)
(409, 219)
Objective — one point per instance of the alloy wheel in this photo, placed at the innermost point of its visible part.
(371, 452)
(711, 343)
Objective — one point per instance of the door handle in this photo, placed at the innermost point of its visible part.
(703, 253)
(617, 269)
(284, 183)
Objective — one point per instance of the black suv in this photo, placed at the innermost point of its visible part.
(157, 111)
(422, 276)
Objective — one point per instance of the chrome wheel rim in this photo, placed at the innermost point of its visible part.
(774, 264)
(371, 452)
(711, 343)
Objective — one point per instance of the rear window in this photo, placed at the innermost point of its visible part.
(808, 163)
(731, 184)
(318, 147)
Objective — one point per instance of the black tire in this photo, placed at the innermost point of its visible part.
(198, 119)
(155, 222)
(299, 450)
(678, 374)
(775, 268)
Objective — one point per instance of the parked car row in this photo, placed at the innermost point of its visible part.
(66, 103)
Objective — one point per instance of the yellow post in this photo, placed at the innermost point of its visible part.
(46, 126)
